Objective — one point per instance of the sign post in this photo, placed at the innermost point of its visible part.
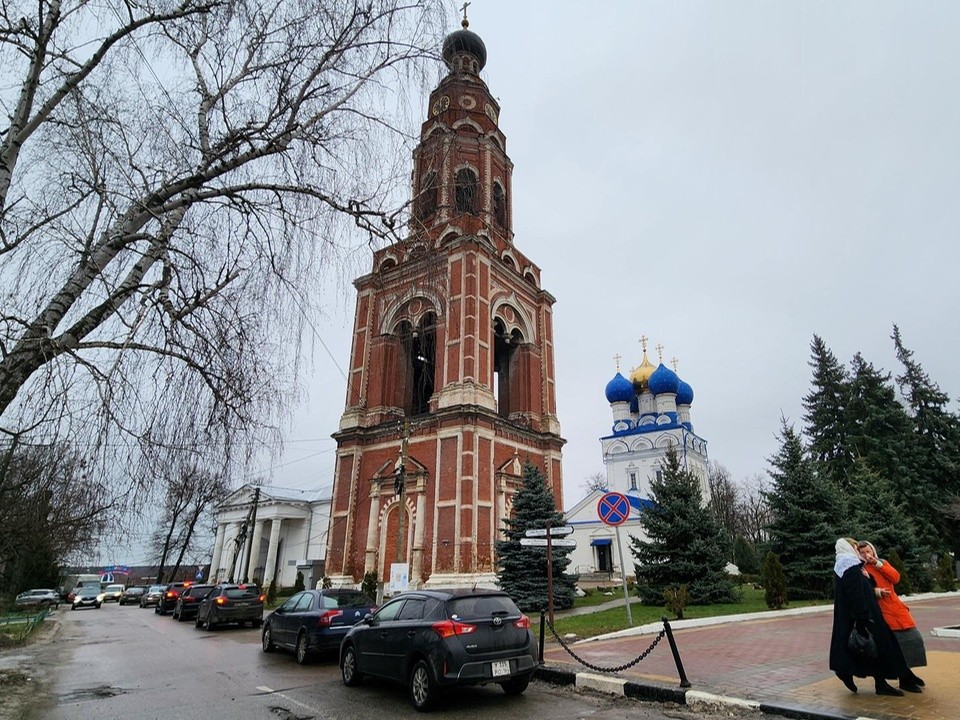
(614, 509)
(549, 537)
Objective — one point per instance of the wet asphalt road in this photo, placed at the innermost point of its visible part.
(124, 662)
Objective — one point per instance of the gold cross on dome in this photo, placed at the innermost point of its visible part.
(617, 359)
(464, 8)
(674, 362)
(643, 342)
(659, 349)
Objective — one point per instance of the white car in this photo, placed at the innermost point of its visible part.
(112, 593)
(40, 597)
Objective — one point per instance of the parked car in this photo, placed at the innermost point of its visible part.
(314, 620)
(189, 602)
(86, 597)
(230, 603)
(429, 640)
(133, 595)
(112, 593)
(152, 596)
(169, 598)
(37, 598)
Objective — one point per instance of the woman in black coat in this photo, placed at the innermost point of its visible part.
(855, 605)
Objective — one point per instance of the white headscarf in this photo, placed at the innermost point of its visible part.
(847, 557)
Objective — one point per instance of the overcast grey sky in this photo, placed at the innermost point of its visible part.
(726, 178)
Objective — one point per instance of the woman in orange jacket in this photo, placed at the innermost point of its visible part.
(895, 613)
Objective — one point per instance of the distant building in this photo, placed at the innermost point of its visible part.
(266, 532)
(650, 413)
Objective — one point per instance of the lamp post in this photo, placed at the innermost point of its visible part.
(399, 487)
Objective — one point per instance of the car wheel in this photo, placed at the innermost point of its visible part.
(348, 667)
(303, 652)
(423, 691)
(516, 686)
(266, 641)
(73, 607)
(156, 609)
(196, 622)
(208, 623)
(97, 606)
(256, 623)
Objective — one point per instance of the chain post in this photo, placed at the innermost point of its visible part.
(684, 683)
(543, 629)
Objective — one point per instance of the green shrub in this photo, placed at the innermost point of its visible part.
(946, 576)
(298, 583)
(326, 583)
(370, 584)
(904, 587)
(676, 598)
(774, 582)
(272, 592)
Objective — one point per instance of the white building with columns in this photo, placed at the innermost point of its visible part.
(266, 532)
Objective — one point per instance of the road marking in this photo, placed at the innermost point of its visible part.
(269, 691)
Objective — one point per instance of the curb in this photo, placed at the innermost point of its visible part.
(693, 698)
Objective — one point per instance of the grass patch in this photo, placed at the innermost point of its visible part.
(614, 619)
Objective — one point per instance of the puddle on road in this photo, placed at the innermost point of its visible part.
(94, 693)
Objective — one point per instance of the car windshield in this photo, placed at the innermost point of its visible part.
(482, 606)
(114, 588)
(157, 588)
(136, 591)
(346, 599)
(241, 593)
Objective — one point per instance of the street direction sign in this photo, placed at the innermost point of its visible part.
(542, 542)
(554, 531)
(613, 508)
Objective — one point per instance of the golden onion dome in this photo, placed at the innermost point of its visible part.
(641, 374)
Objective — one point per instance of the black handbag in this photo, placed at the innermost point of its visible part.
(862, 645)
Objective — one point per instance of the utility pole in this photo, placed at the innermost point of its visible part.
(253, 526)
(399, 486)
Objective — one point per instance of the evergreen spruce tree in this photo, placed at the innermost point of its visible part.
(937, 442)
(745, 556)
(825, 416)
(523, 570)
(686, 544)
(904, 587)
(807, 511)
(876, 513)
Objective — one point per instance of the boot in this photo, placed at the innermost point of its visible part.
(885, 688)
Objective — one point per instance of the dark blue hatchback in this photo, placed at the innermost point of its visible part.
(315, 620)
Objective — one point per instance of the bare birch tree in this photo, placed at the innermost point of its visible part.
(174, 180)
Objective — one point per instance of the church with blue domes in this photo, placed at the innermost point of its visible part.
(650, 413)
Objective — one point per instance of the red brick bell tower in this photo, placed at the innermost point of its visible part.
(451, 381)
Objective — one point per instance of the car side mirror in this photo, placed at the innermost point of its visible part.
(368, 619)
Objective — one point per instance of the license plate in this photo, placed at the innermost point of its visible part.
(242, 604)
(500, 667)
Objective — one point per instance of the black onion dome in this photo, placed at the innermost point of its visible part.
(464, 41)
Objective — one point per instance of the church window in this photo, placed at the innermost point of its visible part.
(466, 191)
(427, 200)
(499, 206)
(633, 480)
(659, 475)
(505, 385)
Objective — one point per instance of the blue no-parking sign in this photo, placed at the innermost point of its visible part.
(613, 508)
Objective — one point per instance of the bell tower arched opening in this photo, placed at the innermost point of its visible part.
(505, 346)
(418, 363)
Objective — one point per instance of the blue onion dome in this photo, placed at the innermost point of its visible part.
(464, 41)
(664, 380)
(641, 374)
(619, 389)
(684, 394)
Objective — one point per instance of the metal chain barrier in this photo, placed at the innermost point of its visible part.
(617, 669)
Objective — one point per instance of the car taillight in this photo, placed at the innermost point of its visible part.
(449, 628)
(220, 601)
(170, 593)
(523, 623)
(326, 619)
(263, 598)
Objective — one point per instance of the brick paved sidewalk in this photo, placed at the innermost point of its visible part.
(783, 660)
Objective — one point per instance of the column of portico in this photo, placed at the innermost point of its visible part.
(373, 528)
(254, 559)
(217, 549)
(230, 551)
(272, 551)
(418, 527)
